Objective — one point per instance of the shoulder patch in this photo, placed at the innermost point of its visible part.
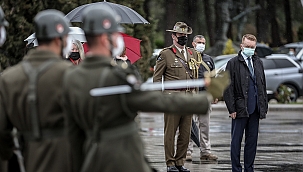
(159, 58)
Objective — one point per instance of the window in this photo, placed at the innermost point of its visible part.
(268, 64)
(283, 63)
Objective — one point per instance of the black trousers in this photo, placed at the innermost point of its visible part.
(251, 127)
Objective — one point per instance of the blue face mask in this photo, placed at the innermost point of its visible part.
(248, 51)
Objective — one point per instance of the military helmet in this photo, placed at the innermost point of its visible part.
(51, 24)
(100, 19)
(3, 22)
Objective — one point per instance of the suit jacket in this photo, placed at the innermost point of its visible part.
(169, 65)
(236, 94)
(114, 111)
(48, 154)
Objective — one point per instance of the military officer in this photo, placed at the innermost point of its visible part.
(31, 98)
(176, 63)
(104, 126)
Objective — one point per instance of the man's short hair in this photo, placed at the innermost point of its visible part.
(249, 37)
(198, 36)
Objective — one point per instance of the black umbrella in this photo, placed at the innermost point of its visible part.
(263, 50)
(127, 14)
(194, 134)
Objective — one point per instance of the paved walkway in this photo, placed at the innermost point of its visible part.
(280, 146)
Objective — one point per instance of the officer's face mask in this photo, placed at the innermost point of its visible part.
(68, 46)
(182, 40)
(200, 47)
(2, 35)
(120, 46)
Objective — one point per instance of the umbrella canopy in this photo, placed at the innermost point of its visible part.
(76, 33)
(194, 133)
(127, 14)
(263, 50)
(132, 46)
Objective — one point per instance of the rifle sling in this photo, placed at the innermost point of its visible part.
(33, 74)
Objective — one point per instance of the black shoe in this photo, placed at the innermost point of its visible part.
(182, 169)
(172, 169)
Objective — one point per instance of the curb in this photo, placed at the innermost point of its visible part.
(271, 107)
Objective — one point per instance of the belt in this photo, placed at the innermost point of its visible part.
(45, 134)
(114, 133)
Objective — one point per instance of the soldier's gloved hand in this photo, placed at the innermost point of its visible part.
(218, 84)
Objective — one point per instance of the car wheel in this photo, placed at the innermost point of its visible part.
(294, 93)
(287, 90)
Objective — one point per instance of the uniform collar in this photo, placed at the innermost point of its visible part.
(37, 54)
(96, 60)
(178, 53)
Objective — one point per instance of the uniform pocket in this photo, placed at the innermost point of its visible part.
(176, 68)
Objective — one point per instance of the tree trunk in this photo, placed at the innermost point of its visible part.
(170, 15)
(275, 36)
(209, 22)
(288, 34)
(191, 18)
(262, 22)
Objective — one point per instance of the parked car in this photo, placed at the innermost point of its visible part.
(296, 47)
(279, 69)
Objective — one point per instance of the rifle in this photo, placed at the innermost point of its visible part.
(17, 151)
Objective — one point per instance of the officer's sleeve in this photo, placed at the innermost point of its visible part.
(155, 101)
(229, 92)
(212, 63)
(159, 68)
(6, 139)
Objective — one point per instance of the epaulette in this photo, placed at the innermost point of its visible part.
(190, 52)
(163, 50)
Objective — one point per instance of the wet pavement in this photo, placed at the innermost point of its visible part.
(280, 143)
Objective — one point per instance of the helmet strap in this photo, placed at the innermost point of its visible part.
(62, 47)
(110, 43)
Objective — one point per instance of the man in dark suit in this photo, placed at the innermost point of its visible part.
(246, 101)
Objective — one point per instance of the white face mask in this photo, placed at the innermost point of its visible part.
(200, 47)
(120, 47)
(68, 46)
(2, 35)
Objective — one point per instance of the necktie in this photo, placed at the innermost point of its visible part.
(250, 66)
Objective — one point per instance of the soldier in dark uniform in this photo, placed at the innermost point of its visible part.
(3, 135)
(177, 62)
(104, 127)
(31, 98)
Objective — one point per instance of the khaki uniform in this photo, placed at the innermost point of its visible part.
(48, 154)
(170, 67)
(119, 147)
